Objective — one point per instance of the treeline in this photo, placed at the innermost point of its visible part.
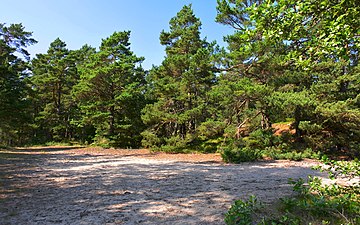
(293, 62)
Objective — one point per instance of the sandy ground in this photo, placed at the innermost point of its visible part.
(58, 185)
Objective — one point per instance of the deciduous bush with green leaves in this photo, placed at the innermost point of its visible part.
(241, 212)
(314, 202)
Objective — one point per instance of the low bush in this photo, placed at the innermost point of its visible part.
(264, 144)
(4, 147)
(237, 154)
(150, 140)
(247, 149)
(102, 142)
(284, 151)
(241, 212)
(207, 146)
(315, 202)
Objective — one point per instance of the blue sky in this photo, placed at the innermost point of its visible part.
(79, 22)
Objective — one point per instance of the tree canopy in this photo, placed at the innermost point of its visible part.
(179, 85)
(110, 92)
(287, 62)
(14, 71)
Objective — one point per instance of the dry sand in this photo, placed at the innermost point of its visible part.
(58, 185)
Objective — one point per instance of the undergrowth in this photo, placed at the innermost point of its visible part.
(262, 144)
(314, 202)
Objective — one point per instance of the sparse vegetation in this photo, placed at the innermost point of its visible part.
(313, 203)
(286, 87)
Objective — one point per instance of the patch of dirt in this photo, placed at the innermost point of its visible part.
(281, 128)
(67, 185)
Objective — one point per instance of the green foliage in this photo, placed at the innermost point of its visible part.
(239, 154)
(150, 140)
(179, 86)
(297, 50)
(110, 93)
(261, 139)
(286, 219)
(54, 75)
(249, 148)
(286, 151)
(349, 169)
(314, 29)
(241, 212)
(209, 146)
(286, 59)
(333, 203)
(15, 119)
(53, 143)
(209, 129)
(315, 202)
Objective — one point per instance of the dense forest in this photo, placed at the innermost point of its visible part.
(287, 62)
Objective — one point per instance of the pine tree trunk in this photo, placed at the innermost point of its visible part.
(58, 100)
(111, 120)
(297, 117)
(265, 121)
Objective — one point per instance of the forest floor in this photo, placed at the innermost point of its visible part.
(74, 185)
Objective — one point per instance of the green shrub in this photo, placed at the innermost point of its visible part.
(249, 148)
(174, 144)
(315, 203)
(261, 139)
(102, 142)
(241, 212)
(210, 129)
(150, 139)
(208, 146)
(238, 155)
(4, 147)
(285, 151)
(333, 203)
(168, 149)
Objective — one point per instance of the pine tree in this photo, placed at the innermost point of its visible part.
(81, 133)
(179, 85)
(14, 102)
(251, 72)
(54, 75)
(110, 93)
(309, 51)
(323, 45)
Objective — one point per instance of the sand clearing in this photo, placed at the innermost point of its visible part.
(58, 185)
